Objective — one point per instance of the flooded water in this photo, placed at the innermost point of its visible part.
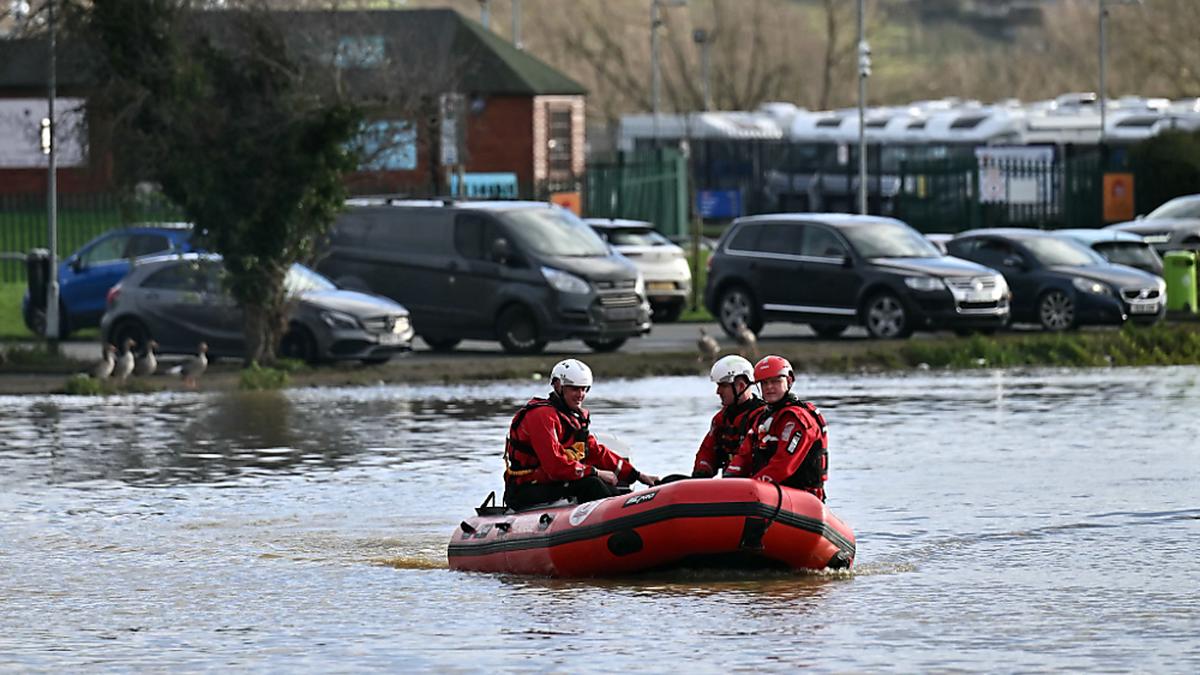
(1006, 522)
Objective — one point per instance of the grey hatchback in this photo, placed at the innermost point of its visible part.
(180, 300)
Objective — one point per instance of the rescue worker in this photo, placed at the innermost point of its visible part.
(734, 377)
(551, 453)
(787, 444)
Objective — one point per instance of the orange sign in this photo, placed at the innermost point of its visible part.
(568, 200)
(1118, 197)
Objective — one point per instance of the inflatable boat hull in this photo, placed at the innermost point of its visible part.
(692, 522)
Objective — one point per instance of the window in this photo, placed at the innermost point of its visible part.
(474, 236)
(106, 250)
(559, 142)
(746, 239)
(822, 242)
(188, 276)
(146, 244)
(780, 238)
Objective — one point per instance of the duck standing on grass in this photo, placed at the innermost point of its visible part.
(147, 363)
(193, 368)
(104, 367)
(123, 366)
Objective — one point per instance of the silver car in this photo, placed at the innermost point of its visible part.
(663, 265)
(181, 300)
(1174, 225)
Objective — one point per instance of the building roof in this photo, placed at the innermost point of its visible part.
(481, 62)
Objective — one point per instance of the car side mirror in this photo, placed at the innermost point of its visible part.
(75, 264)
(501, 251)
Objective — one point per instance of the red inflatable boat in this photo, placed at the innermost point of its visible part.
(729, 522)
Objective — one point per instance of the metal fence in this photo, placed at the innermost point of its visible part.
(958, 194)
(644, 185)
(23, 223)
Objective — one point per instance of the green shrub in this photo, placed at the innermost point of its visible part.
(257, 378)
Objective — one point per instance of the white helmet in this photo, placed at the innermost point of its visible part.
(727, 368)
(572, 373)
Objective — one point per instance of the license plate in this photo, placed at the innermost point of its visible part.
(660, 286)
(621, 313)
(1144, 309)
(390, 338)
(979, 297)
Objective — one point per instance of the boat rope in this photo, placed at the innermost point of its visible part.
(778, 507)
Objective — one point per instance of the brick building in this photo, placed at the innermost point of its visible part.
(439, 91)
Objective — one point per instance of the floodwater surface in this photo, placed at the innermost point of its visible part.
(1034, 521)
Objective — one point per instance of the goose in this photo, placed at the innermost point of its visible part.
(104, 367)
(748, 341)
(147, 363)
(123, 366)
(707, 346)
(194, 367)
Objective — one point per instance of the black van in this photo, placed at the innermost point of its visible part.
(523, 273)
(831, 270)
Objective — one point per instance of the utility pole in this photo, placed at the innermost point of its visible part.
(516, 24)
(52, 318)
(702, 38)
(864, 71)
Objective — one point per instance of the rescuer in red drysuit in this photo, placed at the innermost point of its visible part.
(734, 377)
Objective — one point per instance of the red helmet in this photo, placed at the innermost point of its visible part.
(772, 366)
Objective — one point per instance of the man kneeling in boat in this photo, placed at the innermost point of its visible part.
(787, 445)
(734, 377)
(550, 452)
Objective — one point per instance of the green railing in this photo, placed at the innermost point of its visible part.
(947, 195)
(649, 185)
(23, 223)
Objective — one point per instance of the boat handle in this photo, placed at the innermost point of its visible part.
(504, 527)
(466, 527)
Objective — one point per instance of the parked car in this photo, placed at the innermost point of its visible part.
(1120, 247)
(1172, 226)
(834, 270)
(85, 276)
(939, 239)
(519, 272)
(1060, 283)
(663, 264)
(181, 300)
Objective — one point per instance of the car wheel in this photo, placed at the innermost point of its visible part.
(518, 331)
(129, 329)
(667, 312)
(1056, 311)
(829, 331)
(610, 345)
(736, 308)
(439, 344)
(886, 317)
(299, 343)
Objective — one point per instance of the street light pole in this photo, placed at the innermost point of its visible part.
(52, 318)
(702, 38)
(864, 71)
(485, 13)
(516, 24)
(655, 75)
(1102, 29)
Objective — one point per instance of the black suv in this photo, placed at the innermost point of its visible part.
(834, 270)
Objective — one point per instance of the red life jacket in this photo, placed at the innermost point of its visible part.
(735, 422)
(814, 471)
(521, 461)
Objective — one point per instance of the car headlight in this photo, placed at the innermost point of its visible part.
(565, 282)
(1090, 286)
(339, 320)
(924, 283)
(639, 286)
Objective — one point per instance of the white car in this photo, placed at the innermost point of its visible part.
(663, 265)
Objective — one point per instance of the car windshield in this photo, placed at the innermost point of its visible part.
(638, 237)
(1053, 252)
(889, 240)
(1178, 208)
(553, 232)
(1132, 253)
(300, 279)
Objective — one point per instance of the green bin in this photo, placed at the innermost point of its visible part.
(1179, 269)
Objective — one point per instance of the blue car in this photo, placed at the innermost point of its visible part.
(85, 276)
